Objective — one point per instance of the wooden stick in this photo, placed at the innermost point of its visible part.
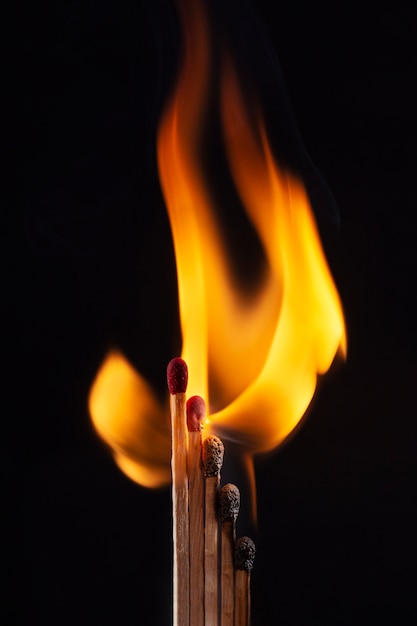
(213, 451)
(196, 410)
(229, 510)
(177, 377)
(244, 557)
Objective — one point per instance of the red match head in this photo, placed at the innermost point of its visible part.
(196, 412)
(177, 375)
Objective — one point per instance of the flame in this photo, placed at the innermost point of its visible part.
(127, 415)
(254, 357)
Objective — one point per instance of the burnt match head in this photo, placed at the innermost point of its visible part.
(244, 553)
(177, 376)
(213, 452)
(196, 412)
(229, 502)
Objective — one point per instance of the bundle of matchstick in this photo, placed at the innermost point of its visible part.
(211, 567)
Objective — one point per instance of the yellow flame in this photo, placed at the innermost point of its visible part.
(261, 354)
(127, 416)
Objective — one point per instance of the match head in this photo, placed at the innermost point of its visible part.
(177, 376)
(244, 553)
(196, 412)
(229, 502)
(213, 452)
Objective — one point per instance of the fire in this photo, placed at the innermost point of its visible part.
(130, 419)
(254, 356)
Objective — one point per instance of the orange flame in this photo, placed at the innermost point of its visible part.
(254, 358)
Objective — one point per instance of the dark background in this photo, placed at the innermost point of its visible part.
(88, 264)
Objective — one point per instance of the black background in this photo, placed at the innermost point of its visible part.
(88, 264)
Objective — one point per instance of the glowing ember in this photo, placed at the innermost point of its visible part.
(254, 357)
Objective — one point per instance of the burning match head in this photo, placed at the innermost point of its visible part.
(213, 452)
(196, 412)
(244, 553)
(177, 376)
(229, 502)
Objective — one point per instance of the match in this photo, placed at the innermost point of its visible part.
(244, 558)
(229, 510)
(220, 588)
(177, 378)
(196, 411)
(213, 451)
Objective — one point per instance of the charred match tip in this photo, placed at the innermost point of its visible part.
(196, 412)
(229, 502)
(177, 376)
(244, 553)
(213, 452)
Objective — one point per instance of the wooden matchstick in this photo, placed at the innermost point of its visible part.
(196, 410)
(213, 452)
(244, 557)
(177, 377)
(229, 510)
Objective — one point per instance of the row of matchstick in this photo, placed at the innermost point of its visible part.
(211, 568)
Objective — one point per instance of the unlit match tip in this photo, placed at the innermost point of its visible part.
(196, 412)
(177, 376)
(244, 553)
(213, 452)
(229, 502)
